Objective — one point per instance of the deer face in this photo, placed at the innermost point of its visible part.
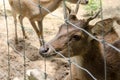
(74, 40)
(69, 38)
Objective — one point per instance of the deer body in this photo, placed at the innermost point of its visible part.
(87, 52)
(32, 10)
(93, 61)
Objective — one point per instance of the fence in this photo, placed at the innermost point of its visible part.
(68, 59)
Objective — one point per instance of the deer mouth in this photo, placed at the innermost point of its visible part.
(47, 55)
(48, 51)
(56, 53)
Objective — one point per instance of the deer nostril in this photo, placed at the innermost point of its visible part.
(43, 50)
(46, 50)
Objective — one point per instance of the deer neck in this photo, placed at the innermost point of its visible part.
(53, 5)
(92, 60)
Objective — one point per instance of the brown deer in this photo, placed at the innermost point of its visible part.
(32, 10)
(107, 27)
(87, 52)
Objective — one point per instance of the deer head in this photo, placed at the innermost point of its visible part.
(77, 40)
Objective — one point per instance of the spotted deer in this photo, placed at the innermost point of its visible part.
(32, 10)
(86, 51)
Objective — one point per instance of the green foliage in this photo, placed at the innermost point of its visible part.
(92, 6)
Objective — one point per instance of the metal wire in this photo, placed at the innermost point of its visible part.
(12, 46)
(104, 53)
(24, 58)
(58, 52)
(100, 40)
(22, 55)
(42, 39)
(69, 53)
(67, 59)
(80, 29)
(7, 40)
(48, 11)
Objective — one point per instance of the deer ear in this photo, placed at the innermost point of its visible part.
(92, 17)
(103, 26)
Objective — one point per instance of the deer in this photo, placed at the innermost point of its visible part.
(86, 51)
(106, 28)
(33, 11)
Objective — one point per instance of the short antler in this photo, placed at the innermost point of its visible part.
(93, 17)
(77, 6)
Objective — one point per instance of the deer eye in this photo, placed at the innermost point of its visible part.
(76, 37)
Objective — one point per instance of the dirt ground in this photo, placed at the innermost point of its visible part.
(34, 60)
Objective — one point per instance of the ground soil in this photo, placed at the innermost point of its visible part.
(34, 60)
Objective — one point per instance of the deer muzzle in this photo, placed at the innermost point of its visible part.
(46, 51)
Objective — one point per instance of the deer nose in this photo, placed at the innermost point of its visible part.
(43, 50)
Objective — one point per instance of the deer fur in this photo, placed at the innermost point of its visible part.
(86, 51)
(31, 10)
(106, 28)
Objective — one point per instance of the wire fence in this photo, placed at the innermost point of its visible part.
(67, 59)
(7, 40)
